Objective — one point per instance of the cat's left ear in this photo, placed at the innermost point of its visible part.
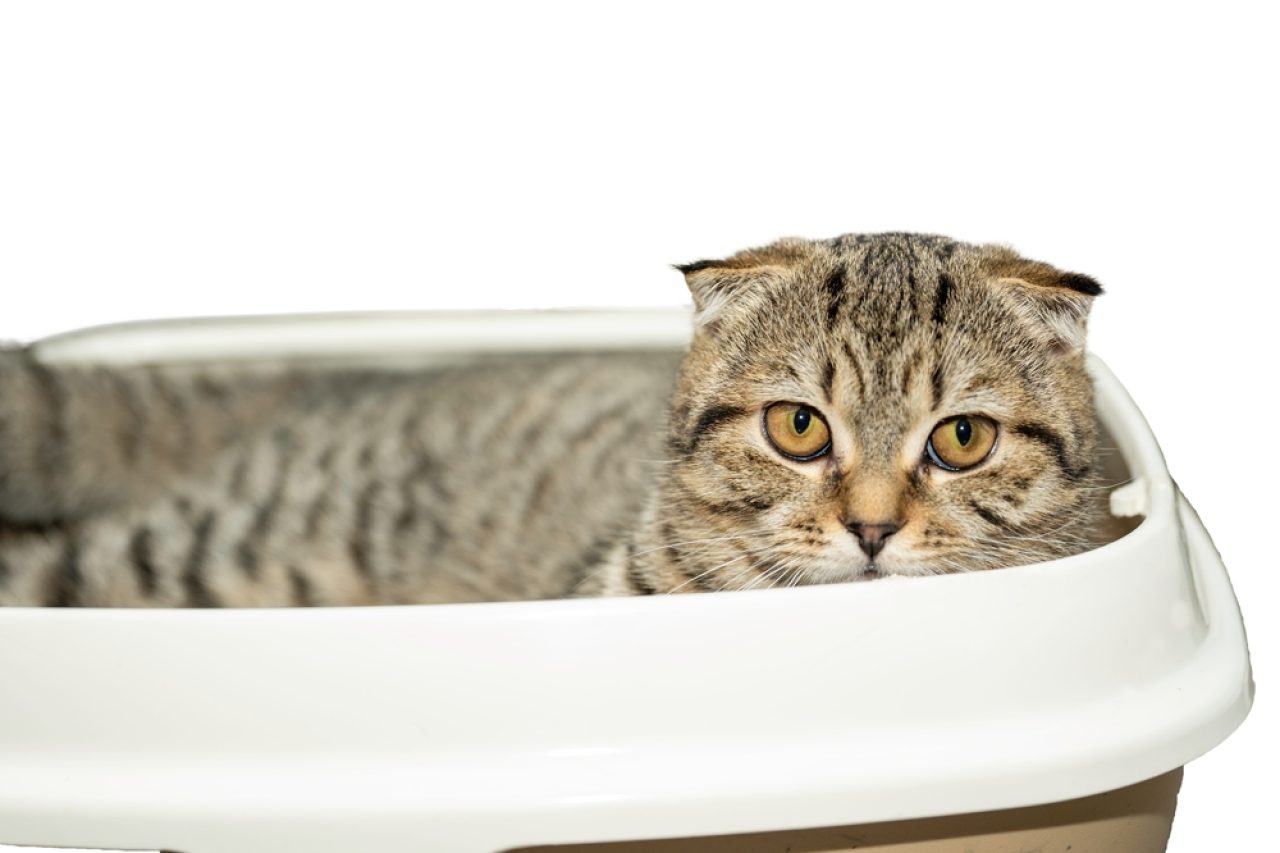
(1050, 298)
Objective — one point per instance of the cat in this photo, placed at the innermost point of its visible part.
(848, 409)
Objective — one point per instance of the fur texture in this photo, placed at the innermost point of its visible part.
(553, 475)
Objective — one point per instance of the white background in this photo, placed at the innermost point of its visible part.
(173, 159)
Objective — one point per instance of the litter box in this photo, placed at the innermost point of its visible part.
(1047, 707)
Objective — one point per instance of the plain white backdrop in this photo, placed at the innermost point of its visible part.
(165, 159)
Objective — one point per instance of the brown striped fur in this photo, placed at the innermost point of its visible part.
(550, 475)
(886, 336)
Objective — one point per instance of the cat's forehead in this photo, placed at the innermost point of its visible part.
(874, 256)
(888, 330)
(889, 307)
(879, 286)
(883, 301)
(883, 289)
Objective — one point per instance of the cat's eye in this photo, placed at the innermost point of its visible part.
(797, 431)
(960, 443)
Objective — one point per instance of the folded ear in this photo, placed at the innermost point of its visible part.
(717, 285)
(1056, 301)
(720, 286)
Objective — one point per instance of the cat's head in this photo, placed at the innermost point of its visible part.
(876, 405)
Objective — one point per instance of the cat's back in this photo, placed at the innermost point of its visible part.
(540, 463)
(502, 478)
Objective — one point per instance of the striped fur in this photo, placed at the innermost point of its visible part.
(552, 475)
(347, 488)
(885, 336)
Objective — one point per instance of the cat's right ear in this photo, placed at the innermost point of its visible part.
(721, 286)
(741, 281)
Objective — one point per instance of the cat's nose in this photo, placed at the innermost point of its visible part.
(871, 536)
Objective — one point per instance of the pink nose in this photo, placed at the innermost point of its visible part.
(871, 536)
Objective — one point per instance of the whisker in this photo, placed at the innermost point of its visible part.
(701, 575)
(730, 537)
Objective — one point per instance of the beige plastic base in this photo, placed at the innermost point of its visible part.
(1135, 819)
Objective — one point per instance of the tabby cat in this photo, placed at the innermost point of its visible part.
(851, 408)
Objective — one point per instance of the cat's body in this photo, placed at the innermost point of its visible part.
(551, 475)
(325, 487)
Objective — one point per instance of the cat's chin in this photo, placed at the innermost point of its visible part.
(855, 571)
(888, 568)
(849, 574)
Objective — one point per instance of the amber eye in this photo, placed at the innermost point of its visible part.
(960, 443)
(797, 431)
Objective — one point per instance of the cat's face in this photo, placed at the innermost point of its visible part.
(879, 405)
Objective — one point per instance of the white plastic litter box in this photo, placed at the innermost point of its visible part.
(961, 712)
